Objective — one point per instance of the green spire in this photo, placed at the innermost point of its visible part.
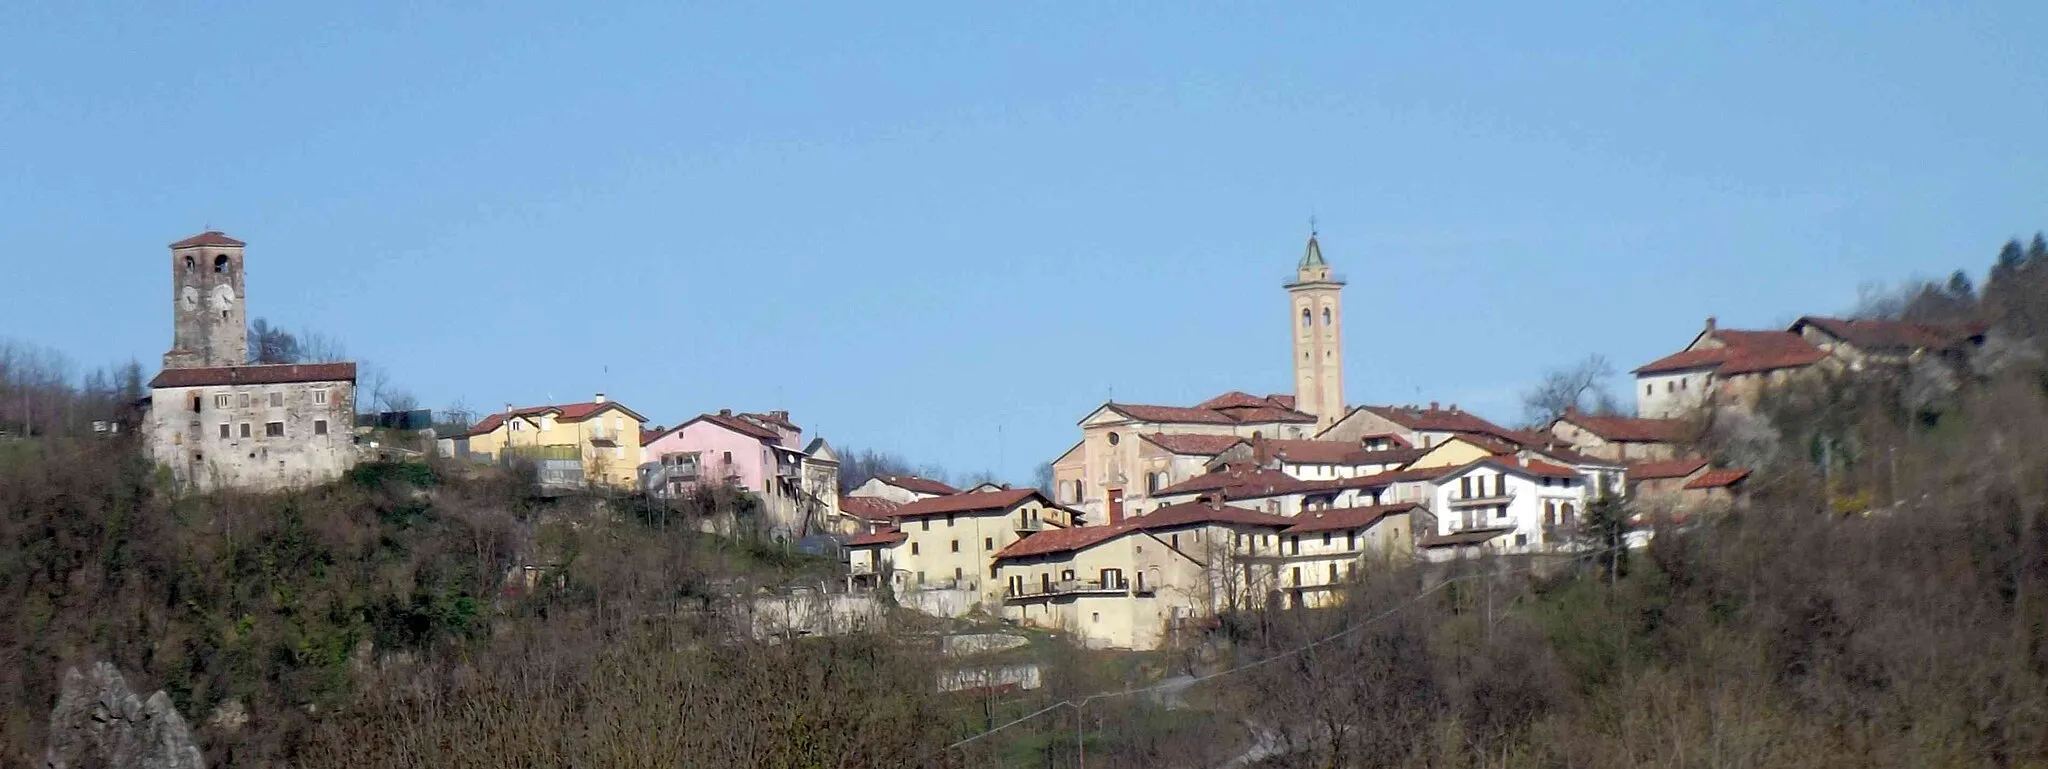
(1313, 257)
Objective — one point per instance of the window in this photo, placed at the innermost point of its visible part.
(1465, 487)
(956, 574)
(320, 396)
(1294, 543)
(241, 400)
(924, 524)
(224, 435)
(195, 404)
(1175, 541)
(1114, 439)
(1649, 389)
(222, 400)
(1350, 540)
(1670, 387)
(727, 457)
(1326, 539)
(1326, 319)
(913, 551)
(1333, 572)
(245, 429)
(190, 263)
(277, 400)
(1521, 539)
(949, 520)
(273, 429)
(1306, 318)
(518, 425)
(920, 578)
(220, 263)
(319, 427)
(1296, 574)
(1066, 575)
(956, 545)
(1095, 616)
(988, 543)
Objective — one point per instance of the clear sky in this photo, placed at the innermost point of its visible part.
(950, 230)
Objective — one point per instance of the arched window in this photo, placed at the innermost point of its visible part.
(220, 263)
(1306, 318)
(1326, 316)
(190, 263)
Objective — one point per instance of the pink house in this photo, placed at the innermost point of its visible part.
(760, 453)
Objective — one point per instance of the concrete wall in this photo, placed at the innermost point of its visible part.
(190, 442)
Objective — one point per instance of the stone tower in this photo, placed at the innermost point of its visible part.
(1318, 319)
(210, 328)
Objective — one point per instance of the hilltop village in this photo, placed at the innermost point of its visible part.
(1158, 516)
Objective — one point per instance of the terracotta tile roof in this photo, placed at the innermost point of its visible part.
(969, 502)
(1234, 482)
(1628, 429)
(567, 412)
(918, 484)
(1063, 540)
(1742, 352)
(1282, 400)
(1189, 513)
(1195, 445)
(1437, 420)
(869, 508)
(211, 376)
(1488, 442)
(739, 425)
(1466, 537)
(1342, 518)
(1718, 479)
(1665, 468)
(1895, 335)
(1535, 467)
(1377, 480)
(648, 436)
(879, 538)
(208, 238)
(1314, 452)
(775, 419)
(1231, 408)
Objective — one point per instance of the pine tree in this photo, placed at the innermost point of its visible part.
(1959, 286)
(2010, 257)
(2037, 252)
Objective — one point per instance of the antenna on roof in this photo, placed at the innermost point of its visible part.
(1311, 222)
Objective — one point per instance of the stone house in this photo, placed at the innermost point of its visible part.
(950, 542)
(1861, 342)
(217, 422)
(1622, 439)
(1722, 366)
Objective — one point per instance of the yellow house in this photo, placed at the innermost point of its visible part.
(597, 442)
(948, 542)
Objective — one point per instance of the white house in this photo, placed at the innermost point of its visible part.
(1505, 504)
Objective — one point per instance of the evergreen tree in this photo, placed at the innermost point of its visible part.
(1959, 287)
(2037, 252)
(2009, 258)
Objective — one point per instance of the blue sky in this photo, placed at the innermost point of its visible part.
(950, 230)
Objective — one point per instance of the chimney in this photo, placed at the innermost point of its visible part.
(782, 415)
(599, 398)
(1710, 324)
(1454, 408)
(1432, 406)
(1215, 501)
(725, 412)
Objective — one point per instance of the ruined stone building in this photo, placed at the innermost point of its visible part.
(218, 422)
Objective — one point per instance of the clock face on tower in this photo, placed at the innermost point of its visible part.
(223, 298)
(189, 298)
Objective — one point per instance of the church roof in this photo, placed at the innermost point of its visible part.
(1313, 256)
(208, 238)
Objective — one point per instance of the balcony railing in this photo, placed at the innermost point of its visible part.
(1482, 500)
(1072, 587)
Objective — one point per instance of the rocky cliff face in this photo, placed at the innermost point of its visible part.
(99, 722)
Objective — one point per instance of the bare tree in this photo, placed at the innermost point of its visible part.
(1580, 387)
(270, 344)
(1041, 479)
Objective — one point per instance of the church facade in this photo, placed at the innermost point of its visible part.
(218, 422)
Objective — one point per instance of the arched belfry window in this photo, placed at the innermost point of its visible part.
(190, 263)
(1306, 317)
(1326, 316)
(220, 263)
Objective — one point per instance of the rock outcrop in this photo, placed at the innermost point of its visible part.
(99, 722)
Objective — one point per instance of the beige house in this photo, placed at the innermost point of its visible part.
(902, 489)
(949, 542)
(1680, 488)
(596, 442)
(1324, 551)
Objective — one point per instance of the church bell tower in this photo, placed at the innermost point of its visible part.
(209, 325)
(1318, 320)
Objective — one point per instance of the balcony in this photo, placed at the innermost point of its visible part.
(1072, 587)
(1027, 523)
(1481, 501)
